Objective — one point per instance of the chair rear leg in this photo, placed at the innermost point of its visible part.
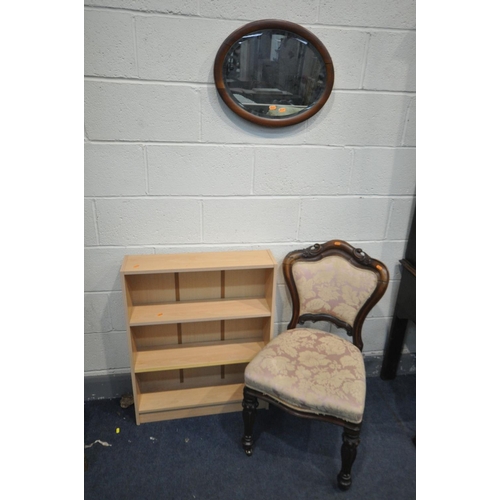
(250, 405)
(350, 442)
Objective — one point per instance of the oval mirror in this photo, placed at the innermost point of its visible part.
(273, 73)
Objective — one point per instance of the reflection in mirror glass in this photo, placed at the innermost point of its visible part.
(274, 73)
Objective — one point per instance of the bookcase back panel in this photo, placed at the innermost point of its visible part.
(212, 376)
(245, 283)
(251, 328)
(171, 335)
(200, 285)
(204, 331)
(233, 374)
(155, 336)
(159, 381)
(171, 380)
(204, 376)
(151, 288)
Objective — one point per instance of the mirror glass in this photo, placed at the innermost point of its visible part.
(274, 73)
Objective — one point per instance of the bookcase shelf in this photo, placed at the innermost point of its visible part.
(193, 357)
(194, 321)
(199, 311)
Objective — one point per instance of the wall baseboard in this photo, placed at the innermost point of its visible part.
(116, 385)
(107, 386)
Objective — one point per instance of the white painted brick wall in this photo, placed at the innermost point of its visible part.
(300, 11)
(348, 217)
(145, 221)
(120, 111)
(169, 168)
(391, 61)
(109, 44)
(347, 48)
(104, 161)
(199, 171)
(358, 118)
(289, 170)
(250, 220)
(379, 14)
(383, 171)
(168, 51)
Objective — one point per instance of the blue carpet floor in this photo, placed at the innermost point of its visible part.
(294, 459)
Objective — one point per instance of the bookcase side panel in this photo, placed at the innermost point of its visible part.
(132, 346)
(270, 294)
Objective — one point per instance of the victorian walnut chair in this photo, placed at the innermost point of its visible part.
(309, 372)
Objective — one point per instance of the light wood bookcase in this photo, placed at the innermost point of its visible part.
(194, 321)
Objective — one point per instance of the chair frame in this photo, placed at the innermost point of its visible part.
(351, 431)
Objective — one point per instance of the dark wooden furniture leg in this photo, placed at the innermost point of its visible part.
(350, 442)
(405, 309)
(392, 354)
(250, 404)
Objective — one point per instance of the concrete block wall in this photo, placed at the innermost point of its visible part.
(169, 168)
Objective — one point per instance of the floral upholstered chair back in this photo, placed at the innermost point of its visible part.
(334, 282)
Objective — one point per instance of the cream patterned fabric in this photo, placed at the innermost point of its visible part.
(311, 370)
(333, 286)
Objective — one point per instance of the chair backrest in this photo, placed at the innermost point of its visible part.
(334, 282)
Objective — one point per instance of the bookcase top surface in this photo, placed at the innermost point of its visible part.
(204, 261)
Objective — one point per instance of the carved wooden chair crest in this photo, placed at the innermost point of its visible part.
(309, 372)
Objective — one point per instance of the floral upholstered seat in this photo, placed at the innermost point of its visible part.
(311, 372)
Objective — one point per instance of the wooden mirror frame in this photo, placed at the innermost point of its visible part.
(278, 25)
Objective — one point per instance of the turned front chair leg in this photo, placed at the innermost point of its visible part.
(350, 442)
(250, 405)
